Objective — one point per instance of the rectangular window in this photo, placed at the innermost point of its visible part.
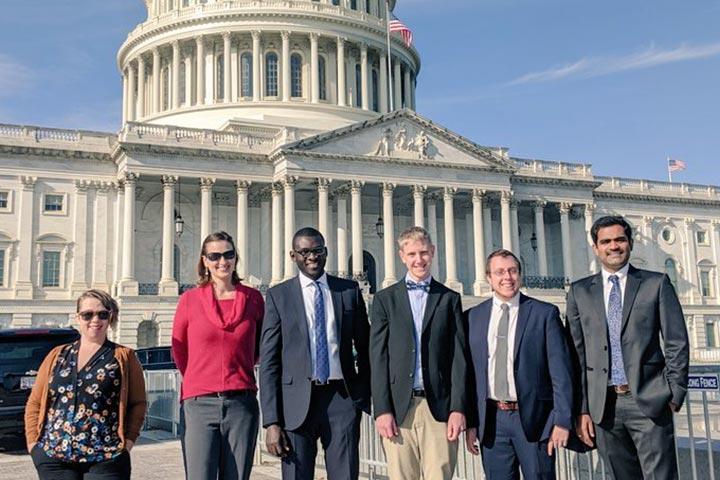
(701, 237)
(710, 337)
(54, 203)
(4, 200)
(51, 269)
(705, 283)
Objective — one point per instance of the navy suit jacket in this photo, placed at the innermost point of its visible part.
(541, 366)
(285, 361)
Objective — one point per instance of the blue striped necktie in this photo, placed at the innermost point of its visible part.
(322, 361)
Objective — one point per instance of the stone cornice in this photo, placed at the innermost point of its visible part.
(123, 148)
(54, 152)
(564, 181)
(656, 199)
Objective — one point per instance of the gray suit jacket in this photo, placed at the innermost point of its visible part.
(650, 309)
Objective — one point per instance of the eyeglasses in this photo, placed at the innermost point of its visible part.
(306, 252)
(215, 256)
(500, 272)
(100, 314)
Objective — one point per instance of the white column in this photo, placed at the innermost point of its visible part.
(505, 198)
(256, 65)
(80, 238)
(539, 208)
(227, 68)
(406, 80)
(101, 255)
(285, 71)
(342, 258)
(243, 233)
(364, 77)
(515, 227)
(200, 67)
(188, 80)
(26, 215)
(433, 231)
(356, 226)
(125, 97)
(689, 249)
(565, 234)
(341, 84)
(266, 238)
(175, 74)
(487, 227)
(397, 79)
(206, 187)
(315, 78)
(131, 92)
(277, 251)
(589, 219)
(289, 187)
(141, 88)
(451, 280)
(168, 286)
(323, 187)
(383, 84)
(418, 207)
(388, 235)
(715, 245)
(156, 81)
(128, 284)
(478, 196)
(118, 236)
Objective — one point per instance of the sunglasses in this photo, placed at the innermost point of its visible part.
(306, 252)
(100, 314)
(215, 256)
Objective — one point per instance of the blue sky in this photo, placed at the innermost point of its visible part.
(617, 84)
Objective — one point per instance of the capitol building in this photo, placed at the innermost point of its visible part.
(258, 117)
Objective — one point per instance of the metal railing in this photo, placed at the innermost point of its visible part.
(697, 435)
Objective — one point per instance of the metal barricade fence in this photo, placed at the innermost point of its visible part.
(697, 432)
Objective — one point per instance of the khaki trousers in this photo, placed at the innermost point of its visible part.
(422, 450)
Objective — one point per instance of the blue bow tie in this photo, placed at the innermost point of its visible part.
(417, 286)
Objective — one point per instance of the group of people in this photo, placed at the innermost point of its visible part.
(507, 374)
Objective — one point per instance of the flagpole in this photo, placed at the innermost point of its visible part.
(667, 161)
(389, 56)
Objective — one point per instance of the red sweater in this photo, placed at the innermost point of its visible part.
(214, 344)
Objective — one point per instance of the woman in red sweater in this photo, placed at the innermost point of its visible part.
(215, 343)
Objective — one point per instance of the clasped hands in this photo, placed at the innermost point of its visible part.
(387, 427)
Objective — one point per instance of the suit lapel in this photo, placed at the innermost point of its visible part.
(337, 303)
(297, 304)
(597, 294)
(522, 322)
(632, 285)
(432, 301)
(484, 320)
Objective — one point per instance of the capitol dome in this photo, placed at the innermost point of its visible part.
(214, 63)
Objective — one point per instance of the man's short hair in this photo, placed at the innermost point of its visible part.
(307, 232)
(414, 233)
(502, 253)
(609, 221)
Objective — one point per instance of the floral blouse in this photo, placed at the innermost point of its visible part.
(83, 415)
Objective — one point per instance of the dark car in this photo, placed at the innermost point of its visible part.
(156, 358)
(21, 353)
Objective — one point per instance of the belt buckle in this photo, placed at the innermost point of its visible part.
(621, 389)
(317, 383)
(506, 406)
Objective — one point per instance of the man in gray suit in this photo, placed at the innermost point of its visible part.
(630, 383)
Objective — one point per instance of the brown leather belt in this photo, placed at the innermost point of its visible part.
(620, 389)
(505, 406)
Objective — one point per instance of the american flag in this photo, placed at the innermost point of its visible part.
(396, 25)
(676, 165)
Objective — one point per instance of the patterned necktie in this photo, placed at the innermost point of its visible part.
(410, 285)
(614, 321)
(502, 389)
(322, 361)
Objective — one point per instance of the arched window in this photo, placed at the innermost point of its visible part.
(147, 334)
(246, 74)
(671, 270)
(358, 85)
(271, 75)
(220, 77)
(322, 78)
(295, 75)
(182, 71)
(375, 91)
(336, 2)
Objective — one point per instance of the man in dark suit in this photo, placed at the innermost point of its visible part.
(522, 377)
(629, 387)
(418, 358)
(314, 366)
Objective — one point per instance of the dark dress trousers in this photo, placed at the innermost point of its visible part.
(543, 383)
(287, 396)
(636, 430)
(392, 352)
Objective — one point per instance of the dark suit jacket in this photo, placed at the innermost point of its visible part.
(650, 308)
(543, 380)
(285, 360)
(392, 352)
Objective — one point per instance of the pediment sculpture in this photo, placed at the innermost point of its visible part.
(406, 140)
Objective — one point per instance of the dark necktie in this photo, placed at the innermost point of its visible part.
(322, 362)
(410, 285)
(502, 389)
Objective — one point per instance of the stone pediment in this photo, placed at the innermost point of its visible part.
(402, 136)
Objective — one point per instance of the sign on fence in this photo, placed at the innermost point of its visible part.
(703, 383)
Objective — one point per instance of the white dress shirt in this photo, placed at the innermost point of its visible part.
(607, 284)
(495, 315)
(308, 291)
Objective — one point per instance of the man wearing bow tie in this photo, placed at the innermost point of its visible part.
(418, 365)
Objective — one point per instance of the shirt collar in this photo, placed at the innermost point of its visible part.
(621, 274)
(514, 301)
(306, 281)
(409, 278)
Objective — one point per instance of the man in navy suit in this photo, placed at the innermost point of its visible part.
(522, 377)
(314, 370)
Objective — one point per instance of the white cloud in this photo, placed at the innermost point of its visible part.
(14, 76)
(600, 66)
